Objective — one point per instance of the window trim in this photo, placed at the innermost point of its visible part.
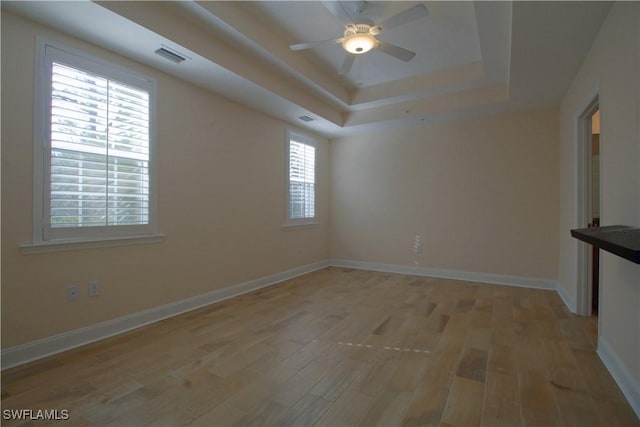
(300, 222)
(43, 234)
(74, 245)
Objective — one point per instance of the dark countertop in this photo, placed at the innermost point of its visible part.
(620, 240)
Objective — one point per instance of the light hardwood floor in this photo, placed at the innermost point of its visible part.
(340, 347)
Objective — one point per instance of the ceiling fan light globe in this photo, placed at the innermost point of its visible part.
(358, 43)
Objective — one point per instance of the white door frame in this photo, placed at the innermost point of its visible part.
(584, 204)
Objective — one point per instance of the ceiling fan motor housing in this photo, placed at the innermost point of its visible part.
(353, 29)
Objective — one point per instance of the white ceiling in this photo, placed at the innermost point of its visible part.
(472, 58)
(448, 37)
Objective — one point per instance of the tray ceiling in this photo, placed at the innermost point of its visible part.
(472, 58)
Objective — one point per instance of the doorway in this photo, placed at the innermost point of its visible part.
(595, 209)
(589, 196)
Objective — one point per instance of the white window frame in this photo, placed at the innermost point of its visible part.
(298, 222)
(44, 235)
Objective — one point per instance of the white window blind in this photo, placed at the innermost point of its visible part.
(302, 179)
(97, 144)
(99, 151)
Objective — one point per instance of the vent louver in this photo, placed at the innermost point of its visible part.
(171, 56)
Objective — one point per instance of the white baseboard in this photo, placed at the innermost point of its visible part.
(568, 300)
(629, 385)
(38, 349)
(495, 279)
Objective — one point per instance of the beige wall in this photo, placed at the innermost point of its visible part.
(481, 193)
(611, 69)
(221, 205)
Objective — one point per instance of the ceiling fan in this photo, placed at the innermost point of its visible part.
(360, 33)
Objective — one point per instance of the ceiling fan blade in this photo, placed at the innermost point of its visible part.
(309, 45)
(413, 13)
(347, 64)
(395, 51)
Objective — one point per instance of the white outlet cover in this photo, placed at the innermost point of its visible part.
(94, 288)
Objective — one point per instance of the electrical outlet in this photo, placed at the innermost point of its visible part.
(417, 245)
(94, 288)
(73, 291)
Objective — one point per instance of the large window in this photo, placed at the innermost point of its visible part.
(94, 130)
(301, 179)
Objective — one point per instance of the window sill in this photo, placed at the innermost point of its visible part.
(300, 225)
(75, 245)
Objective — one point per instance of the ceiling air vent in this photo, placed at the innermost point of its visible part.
(171, 56)
(306, 118)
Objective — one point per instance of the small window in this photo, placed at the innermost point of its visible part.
(301, 180)
(94, 129)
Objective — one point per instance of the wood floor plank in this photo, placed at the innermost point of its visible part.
(411, 366)
(574, 334)
(224, 414)
(387, 409)
(464, 406)
(332, 385)
(379, 375)
(348, 410)
(501, 401)
(290, 391)
(340, 347)
(531, 355)
(538, 417)
(473, 364)
(443, 363)
(481, 318)
(426, 407)
(615, 414)
(576, 408)
(537, 399)
(479, 338)
(502, 360)
(306, 412)
(266, 413)
(599, 381)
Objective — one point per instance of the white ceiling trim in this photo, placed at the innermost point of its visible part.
(239, 51)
